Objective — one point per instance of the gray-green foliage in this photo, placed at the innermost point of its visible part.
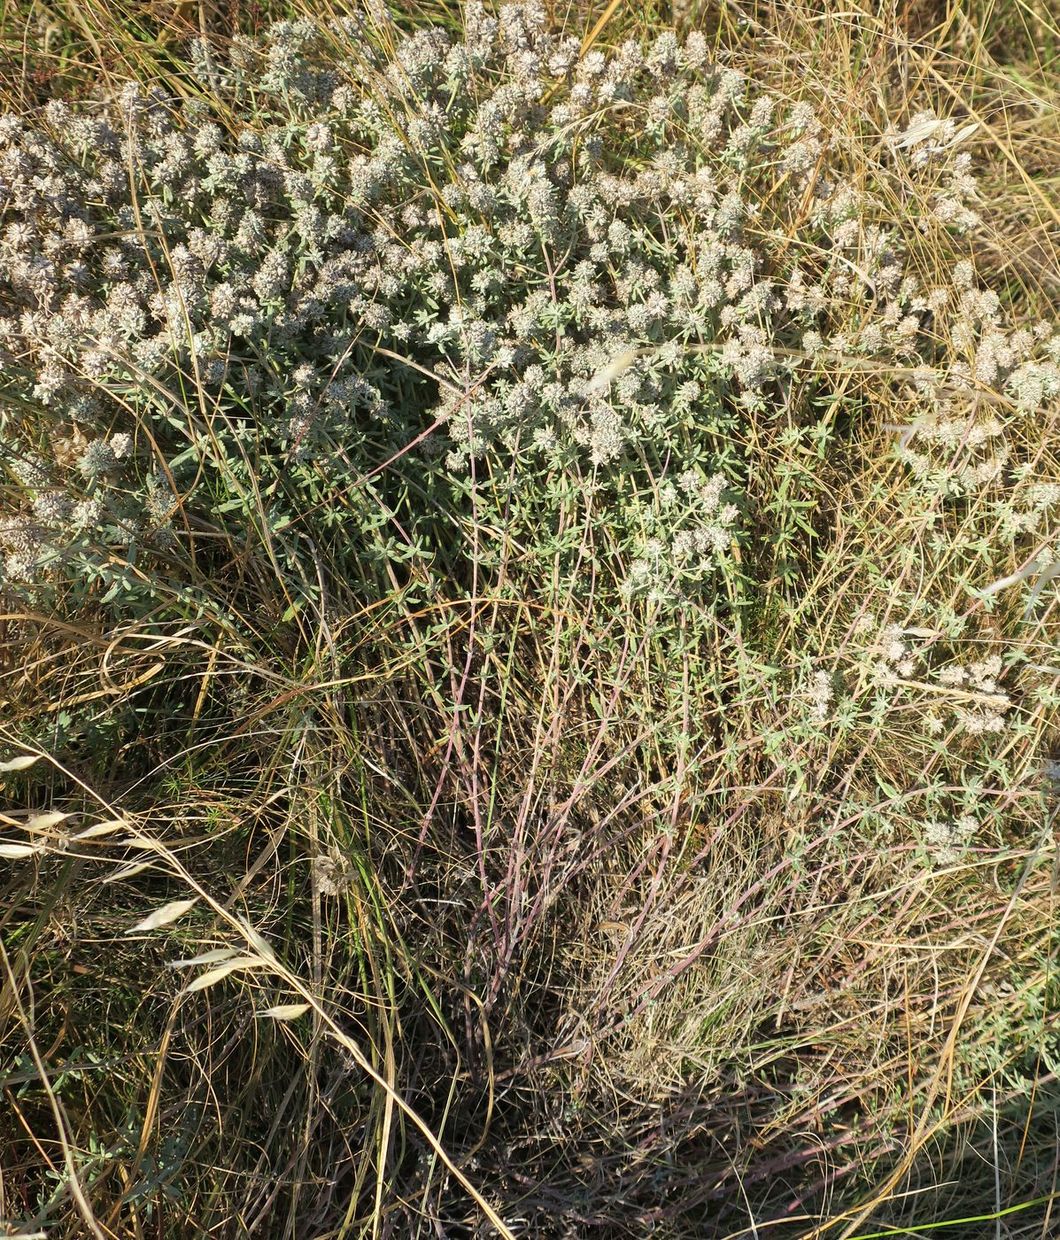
(568, 266)
(692, 514)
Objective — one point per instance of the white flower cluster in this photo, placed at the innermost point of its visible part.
(987, 707)
(911, 661)
(947, 840)
(548, 252)
(819, 695)
(956, 443)
(36, 538)
(684, 532)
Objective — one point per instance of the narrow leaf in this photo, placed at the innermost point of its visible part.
(127, 871)
(215, 975)
(920, 131)
(260, 942)
(617, 366)
(1003, 583)
(1044, 577)
(286, 1011)
(964, 133)
(41, 822)
(162, 916)
(210, 957)
(15, 852)
(101, 828)
(20, 763)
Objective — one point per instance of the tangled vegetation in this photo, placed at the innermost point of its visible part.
(529, 572)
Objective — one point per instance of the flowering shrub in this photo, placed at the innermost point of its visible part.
(502, 252)
(686, 480)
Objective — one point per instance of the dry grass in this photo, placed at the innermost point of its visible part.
(542, 974)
